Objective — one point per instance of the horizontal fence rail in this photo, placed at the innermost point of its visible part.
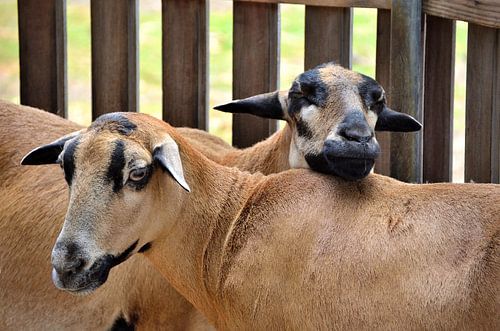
(484, 12)
(414, 62)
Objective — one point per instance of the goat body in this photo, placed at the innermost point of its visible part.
(301, 250)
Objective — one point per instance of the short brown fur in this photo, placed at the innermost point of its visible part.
(300, 250)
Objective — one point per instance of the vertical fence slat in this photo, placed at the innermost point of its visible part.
(482, 105)
(114, 56)
(184, 49)
(495, 129)
(255, 65)
(406, 86)
(328, 36)
(383, 76)
(438, 101)
(42, 54)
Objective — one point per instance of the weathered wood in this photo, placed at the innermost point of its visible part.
(255, 65)
(184, 49)
(42, 54)
(114, 56)
(328, 36)
(383, 76)
(482, 133)
(406, 87)
(484, 12)
(331, 3)
(438, 101)
(495, 129)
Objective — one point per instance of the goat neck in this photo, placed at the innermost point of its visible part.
(202, 230)
(268, 156)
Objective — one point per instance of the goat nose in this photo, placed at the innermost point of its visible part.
(361, 135)
(354, 127)
(66, 259)
(69, 266)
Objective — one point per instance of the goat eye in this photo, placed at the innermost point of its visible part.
(137, 174)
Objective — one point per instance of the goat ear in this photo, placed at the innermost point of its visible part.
(390, 120)
(168, 157)
(267, 105)
(47, 154)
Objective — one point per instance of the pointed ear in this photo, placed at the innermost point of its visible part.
(390, 120)
(267, 105)
(48, 154)
(167, 155)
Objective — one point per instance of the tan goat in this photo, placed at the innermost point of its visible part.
(32, 208)
(297, 250)
(270, 156)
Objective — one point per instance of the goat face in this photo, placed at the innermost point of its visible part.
(333, 113)
(113, 182)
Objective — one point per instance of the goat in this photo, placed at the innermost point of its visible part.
(294, 250)
(34, 201)
(268, 157)
(331, 114)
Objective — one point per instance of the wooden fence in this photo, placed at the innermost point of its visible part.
(415, 39)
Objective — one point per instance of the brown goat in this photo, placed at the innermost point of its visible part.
(269, 156)
(297, 250)
(34, 201)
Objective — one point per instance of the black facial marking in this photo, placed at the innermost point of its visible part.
(121, 324)
(303, 129)
(114, 122)
(104, 264)
(97, 274)
(69, 161)
(145, 248)
(307, 89)
(318, 162)
(116, 165)
(370, 92)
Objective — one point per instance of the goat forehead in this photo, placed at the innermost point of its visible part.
(114, 122)
(337, 75)
(101, 158)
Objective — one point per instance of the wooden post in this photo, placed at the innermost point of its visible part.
(406, 86)
(42, 54)
(184, 49)
(383, 76)
(482, 124)
(114, 56)
(328, 36)
(438, 101)
(255, 65)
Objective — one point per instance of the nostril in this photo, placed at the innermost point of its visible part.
(70, 267)
(362, 136)
(78, 265)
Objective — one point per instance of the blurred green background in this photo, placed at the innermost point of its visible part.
(220, 46)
